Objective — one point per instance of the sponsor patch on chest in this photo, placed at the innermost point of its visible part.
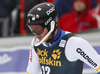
(62, 43)
(48, 58)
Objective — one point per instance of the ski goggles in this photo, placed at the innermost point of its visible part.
(38, 29)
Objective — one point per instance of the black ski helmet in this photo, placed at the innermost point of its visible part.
(42, 14)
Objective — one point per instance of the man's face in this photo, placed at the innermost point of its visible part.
(41, 36)
(79, 6)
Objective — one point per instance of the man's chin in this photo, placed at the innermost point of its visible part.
(39, 39)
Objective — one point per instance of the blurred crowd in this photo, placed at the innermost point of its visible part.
(81, 18)
(74, 15)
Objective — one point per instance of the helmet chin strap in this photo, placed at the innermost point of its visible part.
(52, 26)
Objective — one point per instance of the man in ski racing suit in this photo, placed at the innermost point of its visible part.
(54, 51)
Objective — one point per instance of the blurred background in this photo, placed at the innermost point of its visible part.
(15, 37)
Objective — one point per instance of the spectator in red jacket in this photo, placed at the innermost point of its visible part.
(96, 12)
(79, 19)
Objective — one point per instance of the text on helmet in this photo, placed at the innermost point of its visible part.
(47, 22)
(50, 11)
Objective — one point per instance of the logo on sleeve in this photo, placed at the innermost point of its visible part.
(31, 55)
(85, 56)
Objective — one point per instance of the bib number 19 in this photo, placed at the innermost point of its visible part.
(45, 70)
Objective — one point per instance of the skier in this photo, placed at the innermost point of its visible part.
(54, 51)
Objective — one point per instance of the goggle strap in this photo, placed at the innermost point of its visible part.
(51, 30)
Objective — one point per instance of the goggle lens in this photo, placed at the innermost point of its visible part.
(38, 29)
